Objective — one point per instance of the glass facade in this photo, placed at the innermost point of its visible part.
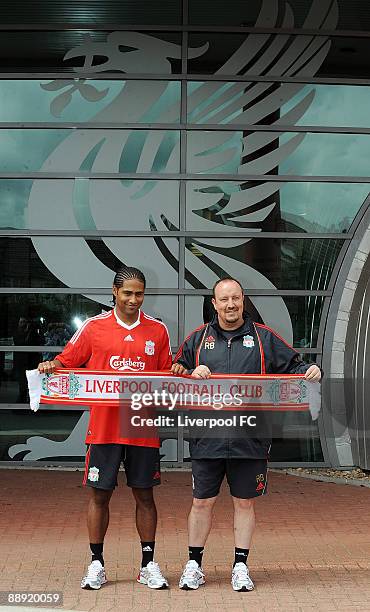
(189, 154)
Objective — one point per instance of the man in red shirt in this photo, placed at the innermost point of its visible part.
(124, 339)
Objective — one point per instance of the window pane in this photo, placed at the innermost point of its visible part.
(26, 436)
(305, 313)
(346, 58)
(263, 263)
(288, 103)
(52, 425)
(327, 154)
(21, 266)
(94, 100)
(43, 319)
(273, 206)
(128, 12)
(349, 16)
(268, 264)
(277, 55)
(89, 204)
(91, 52)
(89, 151)
(14, 364)
(306, 446)
(324, 109)
(216, 49)
(76, 262)
(296, 319)
(290, 154)
(217, 12)
(50, 320)
(215, 152)
(234, 102)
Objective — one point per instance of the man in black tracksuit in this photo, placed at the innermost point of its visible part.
(231, 344)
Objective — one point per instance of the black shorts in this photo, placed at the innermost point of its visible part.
(141, 463)
(246, 477)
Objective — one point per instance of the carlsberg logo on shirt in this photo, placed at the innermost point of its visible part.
(121, 363)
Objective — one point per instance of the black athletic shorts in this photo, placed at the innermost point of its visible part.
(246, 477)
(141, 463)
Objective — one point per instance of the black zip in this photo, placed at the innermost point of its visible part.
(228, 355)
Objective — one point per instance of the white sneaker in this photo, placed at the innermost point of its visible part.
(240, 578)
(95, 576)
(151, 575)
(192, 576)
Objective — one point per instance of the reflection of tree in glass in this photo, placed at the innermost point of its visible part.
(57, 334)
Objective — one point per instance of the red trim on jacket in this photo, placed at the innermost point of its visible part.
(276, 334)
(200, 346)
(179, 352)
(262, 352)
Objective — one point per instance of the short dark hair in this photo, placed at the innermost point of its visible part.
(226, 278)
(127, 273)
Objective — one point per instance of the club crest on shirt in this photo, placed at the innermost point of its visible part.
(149, 347)
(248, 341)
(209, 343)
(93, 474)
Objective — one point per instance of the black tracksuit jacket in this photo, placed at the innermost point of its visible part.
(269, 355)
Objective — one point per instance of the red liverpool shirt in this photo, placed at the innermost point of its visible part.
(105, 342)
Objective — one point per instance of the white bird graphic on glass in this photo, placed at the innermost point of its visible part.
(149, 204)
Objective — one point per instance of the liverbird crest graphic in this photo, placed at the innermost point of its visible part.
(148, 204)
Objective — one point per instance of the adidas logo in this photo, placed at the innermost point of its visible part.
(260, 486)
(147, 549)
(128, 338)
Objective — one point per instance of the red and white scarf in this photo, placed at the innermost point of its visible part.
(227, 392)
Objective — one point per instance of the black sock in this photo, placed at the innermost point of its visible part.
(97, 552)
(147, 549)
(196, 554)
(241, 555)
